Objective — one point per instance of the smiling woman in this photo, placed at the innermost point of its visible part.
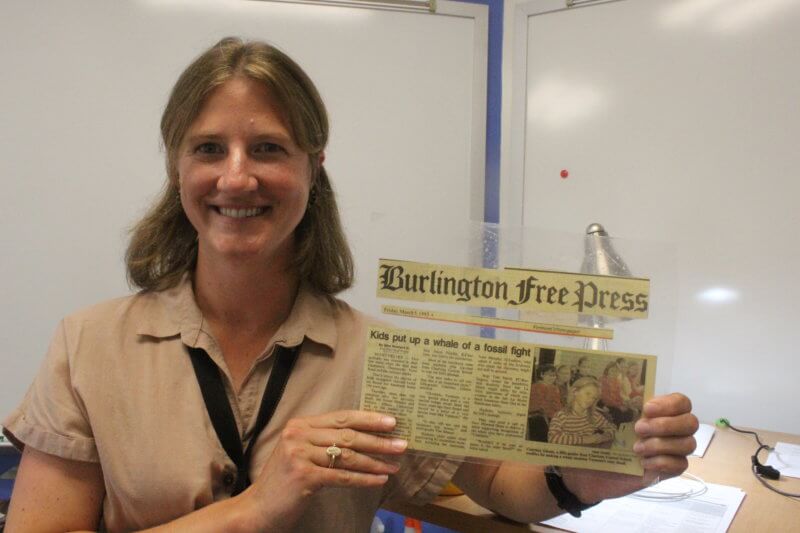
(291, 119)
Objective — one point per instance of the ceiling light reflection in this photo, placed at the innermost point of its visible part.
(718, 295)
(686, 12)
(557, 102)
(748, 13)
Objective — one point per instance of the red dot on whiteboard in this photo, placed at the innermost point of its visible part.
(564, 174)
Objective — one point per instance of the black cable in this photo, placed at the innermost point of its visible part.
(770, 487)
(759, 470)
(767, 471)
(758, 440)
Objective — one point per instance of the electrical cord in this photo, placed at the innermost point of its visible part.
(772, 473)
(724, 422)
(760, 471)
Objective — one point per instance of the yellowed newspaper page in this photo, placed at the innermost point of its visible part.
(493, 399)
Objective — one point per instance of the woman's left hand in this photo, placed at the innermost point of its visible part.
(664, 439)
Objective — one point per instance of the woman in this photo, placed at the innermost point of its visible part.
(563, 378)
(633, 374)
(238, 263)
(543, 403)
(580, 423)
(584, 369)
(625, 385)
(545, 396)
(612, 395)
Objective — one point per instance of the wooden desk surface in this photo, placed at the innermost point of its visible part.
(726, 462)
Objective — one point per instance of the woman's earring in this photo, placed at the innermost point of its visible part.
(312, 196)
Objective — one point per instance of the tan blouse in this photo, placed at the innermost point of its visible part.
(117, 386)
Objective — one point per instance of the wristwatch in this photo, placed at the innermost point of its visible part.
(564, 498)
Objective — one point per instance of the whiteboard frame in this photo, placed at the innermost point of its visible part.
(479, 13)
(515, 57)
(416, 6)
(514, 119)
(480, 69)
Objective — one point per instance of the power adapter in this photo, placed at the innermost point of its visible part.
(766, 471)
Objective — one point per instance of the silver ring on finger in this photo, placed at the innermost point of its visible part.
(333, 452)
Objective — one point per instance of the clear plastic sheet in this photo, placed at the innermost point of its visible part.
(543, 386)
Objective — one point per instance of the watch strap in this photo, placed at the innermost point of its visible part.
(565, 499)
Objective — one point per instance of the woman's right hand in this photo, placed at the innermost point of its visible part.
(299, 465)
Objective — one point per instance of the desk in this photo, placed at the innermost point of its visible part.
(726, 462)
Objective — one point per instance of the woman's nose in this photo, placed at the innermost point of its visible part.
(237, 176)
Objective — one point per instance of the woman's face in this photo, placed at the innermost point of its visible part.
(564, 374)
(549, 377)
(585, 397)
(244, 182)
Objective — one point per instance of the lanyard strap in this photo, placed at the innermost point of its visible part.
(219, 409)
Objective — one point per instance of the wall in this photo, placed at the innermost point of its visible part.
(84, 83)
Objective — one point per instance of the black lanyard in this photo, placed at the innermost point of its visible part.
(219, 410)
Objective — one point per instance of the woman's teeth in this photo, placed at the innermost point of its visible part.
(241, 213)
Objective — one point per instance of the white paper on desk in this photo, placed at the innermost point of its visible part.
(711, 512)
(703, 437)
(786, 458)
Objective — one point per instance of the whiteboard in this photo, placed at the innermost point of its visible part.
(677, 121)
(83, 86)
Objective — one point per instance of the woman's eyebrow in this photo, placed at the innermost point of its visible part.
(203, 136)
(276, 136)
(270, 136)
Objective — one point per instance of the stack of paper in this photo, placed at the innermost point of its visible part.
(709, 512)
(703, 437)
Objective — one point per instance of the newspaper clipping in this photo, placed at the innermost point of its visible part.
(493, 399)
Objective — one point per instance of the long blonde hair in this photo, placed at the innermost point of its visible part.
(581, 383)
(163, 245)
